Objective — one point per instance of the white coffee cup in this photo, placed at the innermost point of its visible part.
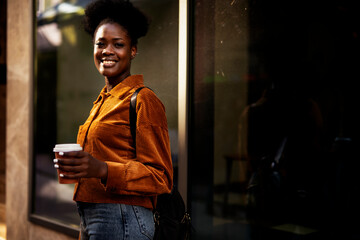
(66, 147)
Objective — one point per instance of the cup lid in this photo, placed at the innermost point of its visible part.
(67, 147)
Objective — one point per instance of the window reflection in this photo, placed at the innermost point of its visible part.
(266, 75)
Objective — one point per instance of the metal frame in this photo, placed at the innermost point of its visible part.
(183, 98)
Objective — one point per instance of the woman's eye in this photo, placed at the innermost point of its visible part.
(119, 45)
(99, 44)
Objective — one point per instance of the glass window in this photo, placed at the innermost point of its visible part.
(67, 83)
(273, 123)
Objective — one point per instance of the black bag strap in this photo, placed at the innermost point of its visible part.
(133, 117)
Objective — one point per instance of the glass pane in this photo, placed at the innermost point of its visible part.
(62, 100)
(157, 60)
(67, 83)
(273, 127)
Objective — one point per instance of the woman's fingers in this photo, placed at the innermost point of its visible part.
(72, 168)
(68, 161)
(72, 158)
(71, 175)
(76, 154)
(80, 164)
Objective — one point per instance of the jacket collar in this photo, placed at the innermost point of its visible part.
(131, 82)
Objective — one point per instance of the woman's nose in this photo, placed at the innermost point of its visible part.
(108, 50)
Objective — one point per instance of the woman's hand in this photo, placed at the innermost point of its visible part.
(81, 165)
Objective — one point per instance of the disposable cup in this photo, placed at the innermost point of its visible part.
(66, 147)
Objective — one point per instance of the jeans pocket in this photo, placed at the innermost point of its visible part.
(145, 219)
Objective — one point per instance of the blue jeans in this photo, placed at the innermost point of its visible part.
(107, 221)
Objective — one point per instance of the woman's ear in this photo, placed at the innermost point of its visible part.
(133, 51)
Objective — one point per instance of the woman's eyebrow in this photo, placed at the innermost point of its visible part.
(103, 38)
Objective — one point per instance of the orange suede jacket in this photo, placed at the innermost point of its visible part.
(134, 177)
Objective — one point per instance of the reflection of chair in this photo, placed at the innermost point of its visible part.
(239, 186)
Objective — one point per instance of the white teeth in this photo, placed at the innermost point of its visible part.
(108, 62)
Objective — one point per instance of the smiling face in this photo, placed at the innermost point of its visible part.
(113, 52)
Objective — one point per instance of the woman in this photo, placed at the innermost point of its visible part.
(119, 179)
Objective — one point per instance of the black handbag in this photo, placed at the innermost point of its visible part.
(172, 221)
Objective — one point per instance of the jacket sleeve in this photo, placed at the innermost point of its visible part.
(151, 173)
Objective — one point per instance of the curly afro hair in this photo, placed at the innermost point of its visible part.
(118, 11)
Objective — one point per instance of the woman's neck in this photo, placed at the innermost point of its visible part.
(112, 82)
